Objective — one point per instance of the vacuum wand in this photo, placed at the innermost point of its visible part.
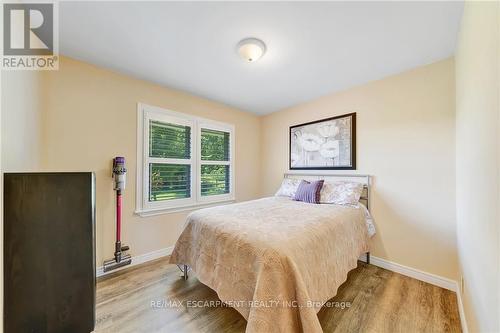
(121, 259)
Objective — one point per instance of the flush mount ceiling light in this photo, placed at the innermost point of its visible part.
(251, 49)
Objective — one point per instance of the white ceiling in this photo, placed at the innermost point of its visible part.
(313, 48)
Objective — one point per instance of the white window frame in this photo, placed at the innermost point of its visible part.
(144, 207)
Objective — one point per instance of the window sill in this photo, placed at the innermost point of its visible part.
(161, 211)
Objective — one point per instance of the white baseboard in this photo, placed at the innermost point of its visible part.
(461, 310)
(137, 260)
(413, 273)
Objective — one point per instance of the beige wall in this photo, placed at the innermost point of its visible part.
(405, 140)
(477, 162)
(86, 115)
(89, 116)
(21, 120)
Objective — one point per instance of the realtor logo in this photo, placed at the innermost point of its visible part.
(29, 36)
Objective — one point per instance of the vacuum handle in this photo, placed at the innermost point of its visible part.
(118, 215)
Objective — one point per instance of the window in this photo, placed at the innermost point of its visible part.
(215, 162)
(186, 161)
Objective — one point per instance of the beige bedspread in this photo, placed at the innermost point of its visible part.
(275, 260)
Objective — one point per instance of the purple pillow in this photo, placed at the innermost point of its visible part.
(309, 191)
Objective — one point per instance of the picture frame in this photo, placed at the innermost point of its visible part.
(325, 144)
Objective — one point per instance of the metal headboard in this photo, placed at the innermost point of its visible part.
(363, 179)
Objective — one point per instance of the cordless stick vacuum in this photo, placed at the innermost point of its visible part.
(121, 259)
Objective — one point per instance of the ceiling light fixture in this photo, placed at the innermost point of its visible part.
(251, 49)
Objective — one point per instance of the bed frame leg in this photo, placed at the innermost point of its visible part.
(368, 258)
(185, 271)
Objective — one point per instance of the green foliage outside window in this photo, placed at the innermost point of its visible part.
(214, 145)
(214, 179)
(169, 181)
(169, 140)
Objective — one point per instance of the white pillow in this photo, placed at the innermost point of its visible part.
(288, 188)
(341, 193)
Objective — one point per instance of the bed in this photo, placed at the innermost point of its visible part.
(276, 260)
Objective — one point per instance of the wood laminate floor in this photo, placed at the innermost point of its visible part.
(153, 298)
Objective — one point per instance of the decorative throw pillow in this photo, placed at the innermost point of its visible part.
(341, 193)
(288, 188)
(309, 191)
